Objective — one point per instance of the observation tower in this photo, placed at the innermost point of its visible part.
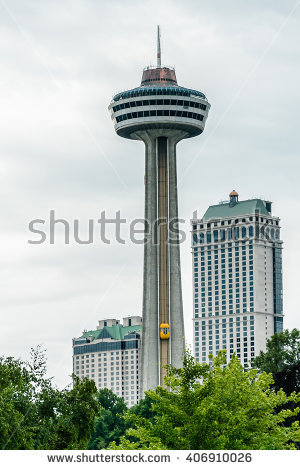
(160, 113)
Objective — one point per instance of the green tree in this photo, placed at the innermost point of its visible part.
(36, 415)
(110, 424)
(282, 359)
(217, 407)
(144, 408)
(283, 350)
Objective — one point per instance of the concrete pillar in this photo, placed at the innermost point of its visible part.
(149, 376)
(176, 307)
(163, 249)
(162, 296)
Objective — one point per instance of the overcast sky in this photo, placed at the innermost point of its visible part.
(61, 62)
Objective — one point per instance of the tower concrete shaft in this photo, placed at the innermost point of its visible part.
(162, 296)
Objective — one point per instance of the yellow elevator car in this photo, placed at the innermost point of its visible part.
(164, 331)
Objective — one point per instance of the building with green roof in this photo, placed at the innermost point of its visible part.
(110, 355)
(242, 208)
(237, 278)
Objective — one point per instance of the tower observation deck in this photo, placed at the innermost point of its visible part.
(160, 113)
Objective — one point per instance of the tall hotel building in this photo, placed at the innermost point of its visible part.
(237, 277)
(111, 356)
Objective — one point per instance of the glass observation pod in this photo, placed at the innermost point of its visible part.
(164, 331)
(163, 106)
(157, 90)
(166, 101)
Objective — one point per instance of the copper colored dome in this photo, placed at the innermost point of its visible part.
(233, 193)
(158, 76)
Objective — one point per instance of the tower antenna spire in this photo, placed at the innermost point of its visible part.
(158, 48)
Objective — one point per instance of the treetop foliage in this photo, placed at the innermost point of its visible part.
(109, 424)
(36, 415)
(283, 351)
(202, 406)
(217, 407)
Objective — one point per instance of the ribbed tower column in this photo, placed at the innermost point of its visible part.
(149, 377)
(176, 308)
(163, 248)
(162, 296)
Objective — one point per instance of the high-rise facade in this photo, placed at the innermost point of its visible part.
(111, 356)
(237, 279)
(160, 113)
